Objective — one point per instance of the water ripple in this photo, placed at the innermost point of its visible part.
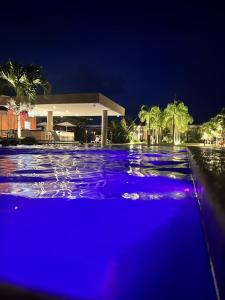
(136, 173)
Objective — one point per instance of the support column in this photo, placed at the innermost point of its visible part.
(49, 126)
(104, 127)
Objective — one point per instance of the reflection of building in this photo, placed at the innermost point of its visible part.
(73, 105)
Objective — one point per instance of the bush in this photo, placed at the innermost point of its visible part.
(5, 142)
(14, 142)
(9, 142)
(120, 131)
(29, 140)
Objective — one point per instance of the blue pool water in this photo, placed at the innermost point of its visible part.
(102, 224)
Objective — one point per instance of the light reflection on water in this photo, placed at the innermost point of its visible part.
(211, 159)
(134, 174)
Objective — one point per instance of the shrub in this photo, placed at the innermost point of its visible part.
(120, 131)
(29, 140)
(5, 142)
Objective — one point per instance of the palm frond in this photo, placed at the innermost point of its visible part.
(26, 81)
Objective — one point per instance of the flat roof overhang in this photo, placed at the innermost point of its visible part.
(88, 104)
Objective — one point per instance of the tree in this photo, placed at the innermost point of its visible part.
(120, 131)
(206, 131)
(220, 120)
(176, 118)
(214, 128)
(151, 116)
(155, 121)
(145, 117)
(25, 81)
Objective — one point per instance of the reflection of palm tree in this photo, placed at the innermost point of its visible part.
(25, 81)
(176, 117)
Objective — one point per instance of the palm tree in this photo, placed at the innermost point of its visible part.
(155, 121)
(25, 82)
(145, 116)
(214, 128)
(176, 118)
(220, 120)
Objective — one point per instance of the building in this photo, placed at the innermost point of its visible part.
(79, 105)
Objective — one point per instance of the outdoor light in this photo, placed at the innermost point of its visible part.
(86, 135)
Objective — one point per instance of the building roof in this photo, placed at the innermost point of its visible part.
(87, 104)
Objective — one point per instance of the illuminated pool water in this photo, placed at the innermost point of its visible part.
(102, 224)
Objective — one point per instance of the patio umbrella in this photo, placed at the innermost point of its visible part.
(66, 124)
(42, 124)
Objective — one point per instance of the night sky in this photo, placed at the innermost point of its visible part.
(141, 53)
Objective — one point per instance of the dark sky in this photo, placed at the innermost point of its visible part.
(141, 53)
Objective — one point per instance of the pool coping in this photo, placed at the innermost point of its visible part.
(202, 195)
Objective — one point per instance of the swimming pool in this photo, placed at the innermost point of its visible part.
(98, 223)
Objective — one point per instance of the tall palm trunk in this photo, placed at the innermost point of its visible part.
(148, 139)
(157, 136)
(174, 133)
(18, 126)
(160, 135)
(148, 134)
(178, 137)
(19, 123)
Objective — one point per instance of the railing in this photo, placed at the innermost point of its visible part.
(51, 136)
